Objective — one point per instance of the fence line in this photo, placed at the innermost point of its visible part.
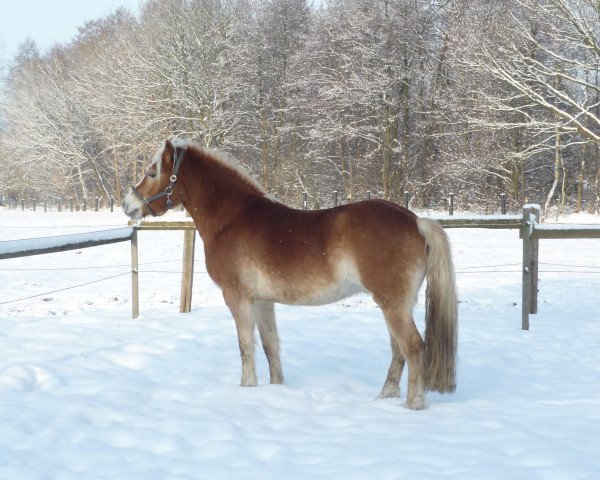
(95, 203)
(62, 243)
(529, 229)
(528, 224)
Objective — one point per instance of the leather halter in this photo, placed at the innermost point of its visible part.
(168, 191)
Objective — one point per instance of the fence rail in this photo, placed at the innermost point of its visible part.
(62, 243)
(531, 231)
(480, 221)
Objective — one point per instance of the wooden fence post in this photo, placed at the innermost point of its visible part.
(503, 203)
(305, 200)
(135, 297)
(451, 204)
(531, 214)
(406, 199)
(187, 273)
(335, 198)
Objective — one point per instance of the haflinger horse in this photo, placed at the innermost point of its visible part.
(261, 252)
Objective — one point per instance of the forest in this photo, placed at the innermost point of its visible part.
(362, 97)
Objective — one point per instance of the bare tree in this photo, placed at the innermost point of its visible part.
(545, 58)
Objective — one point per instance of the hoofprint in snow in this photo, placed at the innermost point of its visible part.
(87, 392)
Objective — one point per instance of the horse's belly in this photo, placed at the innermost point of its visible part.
(329, 294)
(308, 289)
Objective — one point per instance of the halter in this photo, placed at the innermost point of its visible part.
(167, 191)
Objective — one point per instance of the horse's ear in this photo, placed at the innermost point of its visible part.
(168, 152)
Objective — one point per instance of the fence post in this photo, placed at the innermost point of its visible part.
(59, 204)
(71, 203)
(335, 198)
(112, 204)
(23, 204)
(451, 204)
(535, 246)
(84, 205)
(305, 200)
(531, 215)
(503, 203)
(369, 195)
(96, 205)
(406, 199)
(187, 273)
(135, 298)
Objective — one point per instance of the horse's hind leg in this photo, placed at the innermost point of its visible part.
(242, 311)
(391, 387)
(402, 327)
(265, 319)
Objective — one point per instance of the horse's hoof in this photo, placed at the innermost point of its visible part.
(389, 391)
(418, 404)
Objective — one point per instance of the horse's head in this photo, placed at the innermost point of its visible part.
(154, 194)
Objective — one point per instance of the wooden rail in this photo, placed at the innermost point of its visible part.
(480, 221)
(62, 243)
(562, 231)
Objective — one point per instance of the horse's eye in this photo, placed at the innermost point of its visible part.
(152, 174)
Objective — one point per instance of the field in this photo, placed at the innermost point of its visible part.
(87, 392)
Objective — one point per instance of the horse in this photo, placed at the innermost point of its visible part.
(260, 252)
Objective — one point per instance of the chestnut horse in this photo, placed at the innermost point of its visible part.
(260, 251)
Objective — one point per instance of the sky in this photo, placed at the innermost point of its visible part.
(50, 21)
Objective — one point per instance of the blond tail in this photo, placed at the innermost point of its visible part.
(441, 310)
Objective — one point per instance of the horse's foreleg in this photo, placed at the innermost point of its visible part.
(265, 319)
(391, 387)
(241, 309)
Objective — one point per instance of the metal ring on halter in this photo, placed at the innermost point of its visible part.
(169, 191)
(173, 178)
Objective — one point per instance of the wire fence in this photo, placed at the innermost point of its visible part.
(471, 269)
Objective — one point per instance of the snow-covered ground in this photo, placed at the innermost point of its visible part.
(88, 393)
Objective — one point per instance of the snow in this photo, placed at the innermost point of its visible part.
(87, 392)
(562, 227)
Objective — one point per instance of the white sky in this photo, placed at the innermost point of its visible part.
(50, 21)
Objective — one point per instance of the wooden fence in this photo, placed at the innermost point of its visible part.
(63, 243)
(531, 231)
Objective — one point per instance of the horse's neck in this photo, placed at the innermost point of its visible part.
(214, 198)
